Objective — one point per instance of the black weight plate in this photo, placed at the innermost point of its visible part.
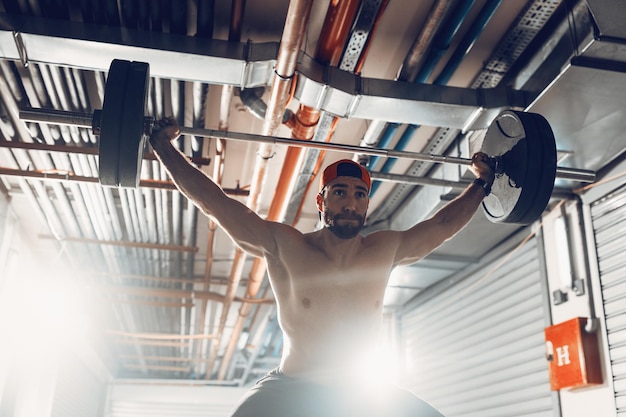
(514, 190)
(111, 122)
(545, 179)
(132, 136)
(530, 163)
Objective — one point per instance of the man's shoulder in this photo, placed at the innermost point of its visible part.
(287, 232)
(389, 240)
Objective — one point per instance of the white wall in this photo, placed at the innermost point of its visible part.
(38, 326)
(27, 368)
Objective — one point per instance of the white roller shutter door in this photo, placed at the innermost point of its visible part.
(476, 349)
(609, 225)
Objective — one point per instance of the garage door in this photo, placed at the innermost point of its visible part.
(476, 349)
(609, 225)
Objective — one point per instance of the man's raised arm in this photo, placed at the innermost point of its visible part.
(418, 241)
(245, 227)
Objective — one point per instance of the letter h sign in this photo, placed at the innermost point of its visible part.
(572, 354)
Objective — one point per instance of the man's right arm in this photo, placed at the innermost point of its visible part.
(252, 233)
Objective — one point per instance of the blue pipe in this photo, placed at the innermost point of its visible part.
(441, 43)
(466, 44)
(443, 40)
(383, 143)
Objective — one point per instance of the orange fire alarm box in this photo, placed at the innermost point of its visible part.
(573, 355)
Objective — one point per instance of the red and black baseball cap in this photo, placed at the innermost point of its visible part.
(345, 168)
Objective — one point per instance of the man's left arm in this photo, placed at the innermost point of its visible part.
(421, 239)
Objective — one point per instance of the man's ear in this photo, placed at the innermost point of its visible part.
(319, 201)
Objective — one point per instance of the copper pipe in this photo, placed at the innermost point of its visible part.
(159, 367)
(160, 292)
(160, 358)
(151, 343)
(305, 122)
(175, 248)
(289, 50)
(335, 30)
(147, 183)
(154, 279)
(171, 293)
(236, 273)
(318, 166)
(236, 20)
(337, 23)
(157, 336)
(218, 173)
(234, 34)
(334, 34)
(293, 35)
(167, 304)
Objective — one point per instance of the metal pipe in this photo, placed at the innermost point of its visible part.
(423, 41)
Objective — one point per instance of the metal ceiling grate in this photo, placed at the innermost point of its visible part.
(516, 41)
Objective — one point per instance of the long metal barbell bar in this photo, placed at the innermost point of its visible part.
(86, 120)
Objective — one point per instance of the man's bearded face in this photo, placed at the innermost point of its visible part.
(343, 225)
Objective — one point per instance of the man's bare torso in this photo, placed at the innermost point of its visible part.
(330, 297)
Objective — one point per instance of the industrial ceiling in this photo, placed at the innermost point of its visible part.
(169, 295)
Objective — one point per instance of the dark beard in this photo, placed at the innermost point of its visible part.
(347, 231)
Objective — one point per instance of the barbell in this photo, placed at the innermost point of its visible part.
(521, 146)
